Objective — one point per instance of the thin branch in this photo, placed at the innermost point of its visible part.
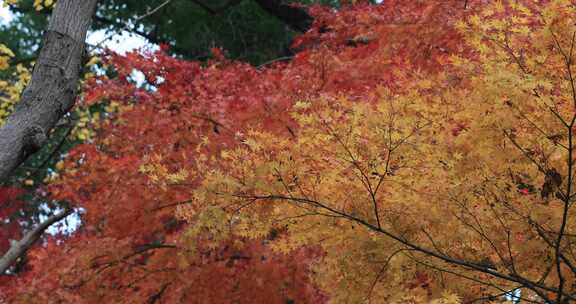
(478, 267)
(381, 271)
(548, 136)
(19, 248)
(567, 62)
(156, 296)
(568, 194)
(475, 280)
(366, 180)
(526, 154)
(151, 37)
(127, 27)
(536, 287)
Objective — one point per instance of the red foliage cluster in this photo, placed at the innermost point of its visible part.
(9, 204)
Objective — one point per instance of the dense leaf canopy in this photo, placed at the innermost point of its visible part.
(410, 152)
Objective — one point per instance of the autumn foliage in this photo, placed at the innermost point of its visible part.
(410, 152)
(11, 202)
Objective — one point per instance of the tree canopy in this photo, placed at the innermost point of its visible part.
(408, 152)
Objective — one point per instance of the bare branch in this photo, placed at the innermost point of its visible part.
(19, 248)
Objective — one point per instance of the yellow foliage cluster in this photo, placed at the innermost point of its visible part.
(38, 4)
(5, 55)
(10, 2)
(10, 89)
(87, 124)
(41, 4)
(480, 172)
(159, 174)
(90, 121)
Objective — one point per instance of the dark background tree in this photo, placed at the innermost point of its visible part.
(251, 30)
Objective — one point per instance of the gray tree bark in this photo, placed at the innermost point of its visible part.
(53, 87)
(17, 249)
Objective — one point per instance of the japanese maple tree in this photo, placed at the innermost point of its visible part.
(412, 151)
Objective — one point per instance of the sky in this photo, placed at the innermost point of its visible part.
(120, 43)
(5, 15)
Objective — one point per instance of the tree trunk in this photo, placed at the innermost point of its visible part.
(52, 91)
